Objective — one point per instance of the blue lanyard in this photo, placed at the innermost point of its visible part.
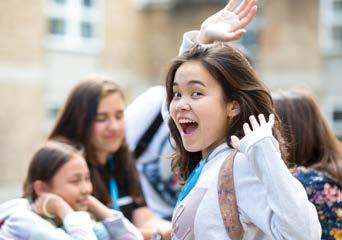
(194, 176)
(191, 181)
(113, 187)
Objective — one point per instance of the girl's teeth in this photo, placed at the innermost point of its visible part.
(186, 121)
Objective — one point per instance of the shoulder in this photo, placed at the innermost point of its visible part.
(23, 223)
(150, 101)
(310, 177)
(319, 186)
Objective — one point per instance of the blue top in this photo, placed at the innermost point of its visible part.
(196, 173)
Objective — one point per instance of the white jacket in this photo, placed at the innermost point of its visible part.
(19, 221)
(272, 204)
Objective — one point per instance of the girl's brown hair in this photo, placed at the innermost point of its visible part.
(45, 164)
(75, 122)
(311, 141)
(238, 81)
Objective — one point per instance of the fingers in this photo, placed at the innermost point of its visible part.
(234, 140)
(246, 20)
(262, 119)
(230, 6)
(262, 124)
(254, 122)
(241, 7)
(246, 129)
(271, 120)
(247, 9)
(227, 37)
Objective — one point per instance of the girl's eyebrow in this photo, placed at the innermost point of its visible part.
(191, 82)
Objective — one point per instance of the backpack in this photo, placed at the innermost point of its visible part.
(146, 138)
(227, 199)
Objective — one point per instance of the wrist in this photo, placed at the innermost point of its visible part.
(203, 37)
(48, 206)
(62, 208)
(200, 38)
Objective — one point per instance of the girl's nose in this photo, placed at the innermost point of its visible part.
(114, 124)
(86, 187)
(183, 105)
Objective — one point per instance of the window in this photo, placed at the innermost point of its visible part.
(337, 121)
(87, 30)
(59, 1)
(337, 115)
(337, 5)
(331, 26)
(88, 3)
(337, 36)
(56, 26)
(73, 25)
(333, 111)
(53, 112)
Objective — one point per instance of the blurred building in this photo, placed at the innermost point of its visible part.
(46, 46)
(300, 45)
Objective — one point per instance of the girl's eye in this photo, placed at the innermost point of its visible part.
(119, 116)
(176, 94)
(100, 118)
(75, 181)
(196, 94)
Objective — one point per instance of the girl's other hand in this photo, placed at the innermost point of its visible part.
(262, 125)
(228, 24)
(99, 210)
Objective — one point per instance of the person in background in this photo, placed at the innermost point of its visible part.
(93, 116)
(149, 139)
(316, 154)
(57, 203)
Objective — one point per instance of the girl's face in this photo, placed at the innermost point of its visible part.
(107, 131)
(198, 108)
(72, 183)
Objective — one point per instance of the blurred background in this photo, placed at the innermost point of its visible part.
(46, 46)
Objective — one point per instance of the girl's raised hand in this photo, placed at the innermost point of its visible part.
(262, 125)
(228, 24)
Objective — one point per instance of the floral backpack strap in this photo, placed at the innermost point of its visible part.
(227, 199)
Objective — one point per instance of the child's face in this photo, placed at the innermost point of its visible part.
(108, 129)
(72, 183)
(198, 108)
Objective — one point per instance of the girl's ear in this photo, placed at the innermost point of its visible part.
(40, 187)
(233, 109)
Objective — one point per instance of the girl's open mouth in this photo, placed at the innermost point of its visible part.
(188, 126)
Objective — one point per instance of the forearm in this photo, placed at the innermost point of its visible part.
(149, 224)
(290, 213)
(99, 210)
